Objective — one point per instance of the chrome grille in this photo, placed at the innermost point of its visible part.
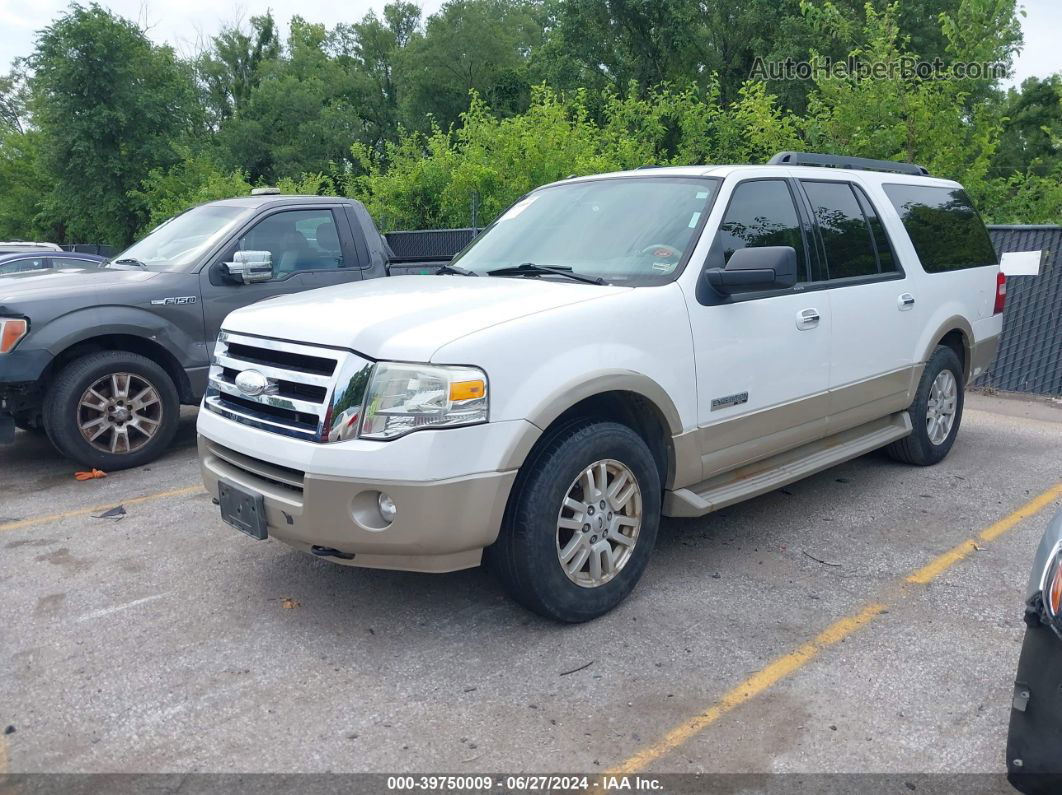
(312, 393)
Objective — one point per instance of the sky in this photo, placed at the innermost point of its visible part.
(188, 23)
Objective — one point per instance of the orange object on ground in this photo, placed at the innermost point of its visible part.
(92, 475)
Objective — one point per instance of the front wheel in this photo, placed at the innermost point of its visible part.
(582, 522)
(935, 413)
(112, 410)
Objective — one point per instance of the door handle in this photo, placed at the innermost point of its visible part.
(905, 302)
(808, 319)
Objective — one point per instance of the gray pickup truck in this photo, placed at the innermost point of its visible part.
(102, 360)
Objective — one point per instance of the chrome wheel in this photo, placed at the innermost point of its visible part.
(119, 413)
(599, 522)
(940, 409)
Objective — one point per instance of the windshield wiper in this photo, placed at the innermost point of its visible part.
(454, 269)
(531, 269)
(127, 261)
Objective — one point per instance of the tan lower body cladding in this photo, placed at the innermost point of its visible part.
(725, 446)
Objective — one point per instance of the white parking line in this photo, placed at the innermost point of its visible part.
(108, 610)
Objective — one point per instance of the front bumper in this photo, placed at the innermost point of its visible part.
(325, 495)
(24, 365)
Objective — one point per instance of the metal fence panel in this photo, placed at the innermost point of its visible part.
(429, 243)
(102, 249)
(1030, 349)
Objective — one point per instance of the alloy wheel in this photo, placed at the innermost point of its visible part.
(940, 410)
(120, 413)
(598, 523)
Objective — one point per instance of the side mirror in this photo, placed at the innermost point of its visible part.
(249, 267)
(753, 269)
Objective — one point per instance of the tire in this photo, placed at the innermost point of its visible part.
(921, 447)
(65, 411)
(527, 556)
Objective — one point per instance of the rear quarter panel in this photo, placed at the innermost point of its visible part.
(960, 299)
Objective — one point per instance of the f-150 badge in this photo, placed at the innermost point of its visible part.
(175, 300)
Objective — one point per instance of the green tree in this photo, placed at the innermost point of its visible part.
(933, 122)
(22, 215)
(14, 99)
(429, 180)
(1032, 131)
(109, 106)
(369, 50)
(301, 117)
(231, 68)
(469, 45)
(190, 182)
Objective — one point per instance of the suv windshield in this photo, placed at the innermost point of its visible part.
(178, 243)
(626, 230)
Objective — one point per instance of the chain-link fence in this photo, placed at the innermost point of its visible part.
(1030, 350)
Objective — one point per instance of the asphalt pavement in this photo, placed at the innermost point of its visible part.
(799, 632)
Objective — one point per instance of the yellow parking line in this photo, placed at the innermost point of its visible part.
(928, 573)
(789, 663)
(55, 517)
(750, 688)
(3, 755)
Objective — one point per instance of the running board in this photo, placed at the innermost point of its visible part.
(778, 470)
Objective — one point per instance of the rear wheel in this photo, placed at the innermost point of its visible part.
(582, 524)
(935, 413)
(112, 410)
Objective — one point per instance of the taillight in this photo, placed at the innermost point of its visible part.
(1001, 292)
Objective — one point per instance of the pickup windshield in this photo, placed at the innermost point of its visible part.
(177, 244)
(627, 230)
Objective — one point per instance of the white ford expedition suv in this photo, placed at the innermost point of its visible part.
(611, 349)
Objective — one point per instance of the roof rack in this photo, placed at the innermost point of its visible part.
(843, 161)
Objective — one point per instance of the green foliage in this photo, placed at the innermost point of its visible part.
(1024, 198)
(1032, 128)
(21, 216)
(109, 106)
(192, 181)
(490, 98)
(308, 185)
(429, 180)
(470, 45)
(935, 122)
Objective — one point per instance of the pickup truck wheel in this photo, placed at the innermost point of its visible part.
(112, 410)
(935, 413)
(582, 523)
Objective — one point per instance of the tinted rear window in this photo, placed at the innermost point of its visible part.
(945, 229)
(850, 249)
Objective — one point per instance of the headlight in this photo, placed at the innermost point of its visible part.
(407, 397)
(1052, 594)
(12, 329)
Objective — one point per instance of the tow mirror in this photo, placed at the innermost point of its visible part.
(753, 269)
(249, 267)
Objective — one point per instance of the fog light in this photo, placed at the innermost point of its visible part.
(387, 507)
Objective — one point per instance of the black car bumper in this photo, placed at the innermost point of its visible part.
(1034, 744)
(23, 366)
(20, 392)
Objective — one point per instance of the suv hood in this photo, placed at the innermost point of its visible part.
(91, 285)
(407, 318)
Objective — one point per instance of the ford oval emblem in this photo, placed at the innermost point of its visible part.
(252, 383)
